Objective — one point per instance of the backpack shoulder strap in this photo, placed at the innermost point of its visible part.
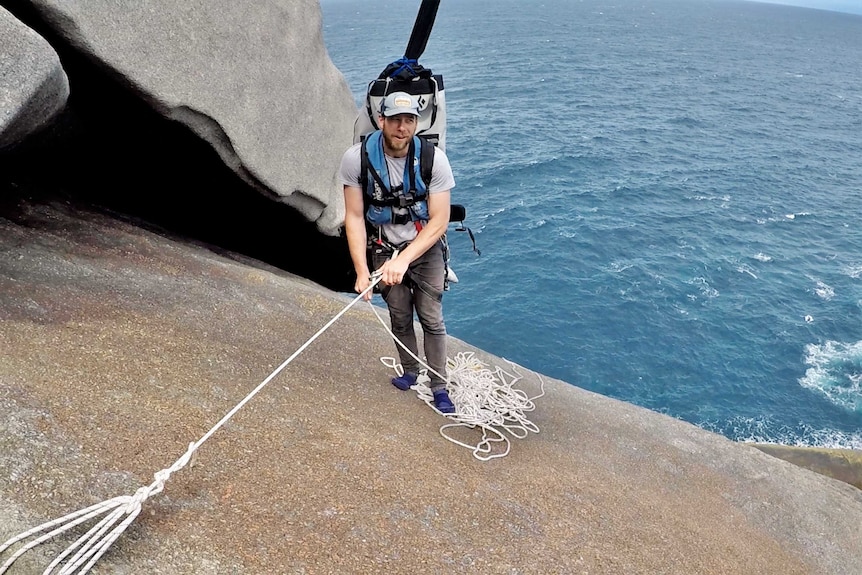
(366, 165)
(426, 160)
(370, 229)
(363, 165)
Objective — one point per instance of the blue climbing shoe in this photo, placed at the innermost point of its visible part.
(442, 402)
(404, 382)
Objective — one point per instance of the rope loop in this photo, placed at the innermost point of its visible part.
(485, 399)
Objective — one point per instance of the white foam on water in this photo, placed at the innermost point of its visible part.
(854, 271)
(706, 290)
(744, 269)
(766, 430)
(824, 291)
(835, 372)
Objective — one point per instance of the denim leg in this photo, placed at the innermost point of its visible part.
(430, 270)
(399, 300)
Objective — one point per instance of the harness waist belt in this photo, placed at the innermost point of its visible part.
(398, 201)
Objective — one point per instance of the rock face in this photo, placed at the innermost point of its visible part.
(842, 464)
(121, 346)
(33, 85)
(255, 83)
(229, 128)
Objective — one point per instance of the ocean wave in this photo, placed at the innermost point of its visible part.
(705, 289)
(701, 198)
(616, 267)
(824, 291)
(767, 430)
(746, 269)
(835, 372)
(854, 271)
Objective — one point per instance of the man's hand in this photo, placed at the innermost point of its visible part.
(392, 271)
(362, 283)
(354, 222)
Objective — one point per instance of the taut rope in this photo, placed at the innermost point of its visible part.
(484, 399)
(121, 511)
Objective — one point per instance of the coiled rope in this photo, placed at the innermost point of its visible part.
(483, 398)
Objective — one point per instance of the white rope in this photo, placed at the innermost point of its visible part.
(88, 548)
(483, 398)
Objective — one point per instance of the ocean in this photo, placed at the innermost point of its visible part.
(667, 195)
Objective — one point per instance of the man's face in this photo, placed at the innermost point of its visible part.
(398, 130)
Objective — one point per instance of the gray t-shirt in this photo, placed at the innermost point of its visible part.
(441, 180)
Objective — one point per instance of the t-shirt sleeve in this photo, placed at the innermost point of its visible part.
(348, 172)
(441, 176)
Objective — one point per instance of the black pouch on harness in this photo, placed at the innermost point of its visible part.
(377, 254)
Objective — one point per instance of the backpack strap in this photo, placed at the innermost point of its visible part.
(426, 160)
(405, 194)
(363, 166)
(370, 230)
(411, 169)
(426, 166)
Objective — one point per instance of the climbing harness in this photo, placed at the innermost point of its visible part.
(119, 512)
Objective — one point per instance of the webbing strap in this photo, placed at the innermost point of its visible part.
(397, 196)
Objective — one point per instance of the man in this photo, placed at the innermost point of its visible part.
(402, 213)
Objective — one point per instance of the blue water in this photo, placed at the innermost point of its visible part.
(667, 195)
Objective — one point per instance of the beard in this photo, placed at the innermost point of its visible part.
(395, 147)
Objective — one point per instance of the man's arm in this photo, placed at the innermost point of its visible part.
(438, 212)
(354, 224)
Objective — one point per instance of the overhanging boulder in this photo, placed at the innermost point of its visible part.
(255, 82)
(33, 85)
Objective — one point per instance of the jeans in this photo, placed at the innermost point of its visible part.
(425, 274)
